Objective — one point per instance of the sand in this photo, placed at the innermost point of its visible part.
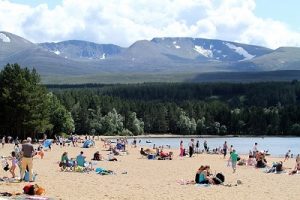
(154, 179)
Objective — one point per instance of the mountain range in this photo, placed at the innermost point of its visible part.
(168, 55)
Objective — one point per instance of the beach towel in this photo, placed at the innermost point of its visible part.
(103, 171)
(79, 169)
(9, 180)
(202, 185)
(34, 197)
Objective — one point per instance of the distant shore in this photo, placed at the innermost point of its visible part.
(192, 136)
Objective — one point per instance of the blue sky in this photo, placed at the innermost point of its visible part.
(270, 23)
(51, 3)
(283, 10)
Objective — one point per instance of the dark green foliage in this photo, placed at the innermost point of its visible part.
(26, 107)
(271, 108)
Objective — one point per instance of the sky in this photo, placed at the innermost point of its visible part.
(270, 23)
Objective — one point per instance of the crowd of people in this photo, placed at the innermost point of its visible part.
(23, 152)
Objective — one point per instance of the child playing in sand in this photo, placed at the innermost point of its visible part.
(14, 163)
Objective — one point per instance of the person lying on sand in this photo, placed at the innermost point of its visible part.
(165, 155)
(277, 167)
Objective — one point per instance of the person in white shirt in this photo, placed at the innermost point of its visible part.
(255, 149)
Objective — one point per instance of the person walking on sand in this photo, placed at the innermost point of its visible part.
(287, 155)
(191, 147)
(27, 159)
(14, 163)
(233, 158)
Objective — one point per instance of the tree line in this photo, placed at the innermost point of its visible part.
(30, 108)
(268, 108)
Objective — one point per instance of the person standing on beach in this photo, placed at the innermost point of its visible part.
(197, 146)
(233, 158)
(205, 145)
(191, 147)
(27, 159)
(225, 147)
(255, 149)
(181, 147)
(287, 155)
(3, 141)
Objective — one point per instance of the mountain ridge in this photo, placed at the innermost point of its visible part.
(158, 55)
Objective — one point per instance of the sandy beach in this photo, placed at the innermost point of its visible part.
(153, 179)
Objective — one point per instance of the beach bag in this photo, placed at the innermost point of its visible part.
(26, 176)
(33, 189)
(5, 165)
(219, 179)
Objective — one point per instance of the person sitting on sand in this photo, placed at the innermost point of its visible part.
(111, 157)
(251, 161)
(97, 156)
(296, 169)
(65, 161)
(142, 152)
(197, 179)
(261, 161)
(204, 176)
(116, 153)
(80, 160)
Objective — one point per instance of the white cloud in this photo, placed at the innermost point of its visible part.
(124, 21)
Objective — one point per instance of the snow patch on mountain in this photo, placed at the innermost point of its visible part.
(102, 57)
(241, 51)
(4, 37)
(205, 52)
(57, 52)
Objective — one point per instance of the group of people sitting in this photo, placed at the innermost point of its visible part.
(204, 176)
(157, 152)
(77, 164)
(80, 161)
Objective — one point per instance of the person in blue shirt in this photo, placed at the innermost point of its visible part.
(80, 159)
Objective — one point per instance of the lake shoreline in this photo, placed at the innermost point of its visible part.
(196, 136)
